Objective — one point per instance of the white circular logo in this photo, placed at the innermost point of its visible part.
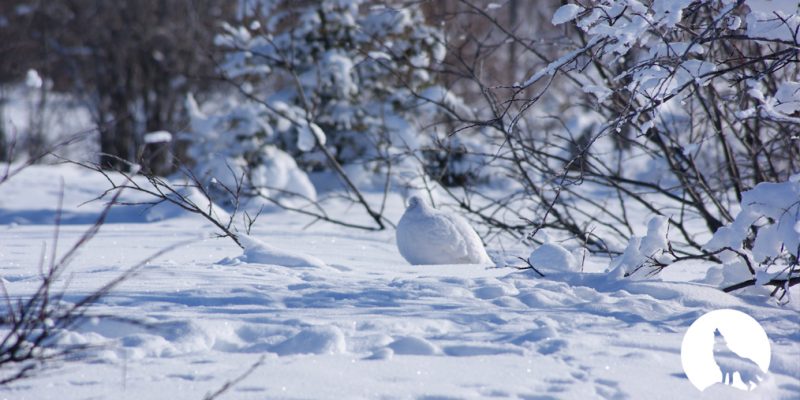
(727, 347)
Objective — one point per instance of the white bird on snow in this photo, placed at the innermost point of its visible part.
(426, 235)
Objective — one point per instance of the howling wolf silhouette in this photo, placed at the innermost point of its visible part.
(729, 362)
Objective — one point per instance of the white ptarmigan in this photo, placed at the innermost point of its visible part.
(426, 235)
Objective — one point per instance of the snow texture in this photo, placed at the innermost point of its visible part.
(553, 256)
(429, 236)
(258, 252)
(314, 340)
(368, 326)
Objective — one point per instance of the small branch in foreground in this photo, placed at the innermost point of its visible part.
(233, 382)
(530, 266)
(164, 192)
(32, 325)
(778, 283)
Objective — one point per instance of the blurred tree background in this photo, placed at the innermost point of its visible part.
(130, 63)
(526, 116)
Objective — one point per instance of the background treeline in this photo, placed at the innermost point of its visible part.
(131, 63)
(540, 121)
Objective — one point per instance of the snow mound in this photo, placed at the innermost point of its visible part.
(279, 175)
(428, 236)
(381, 354)
(490, 288)
(313, 340)
(412, 345)
(555, 257)
(135, 342)
(258, 252)
(235, 142)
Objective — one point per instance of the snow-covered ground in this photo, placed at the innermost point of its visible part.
(365, 325)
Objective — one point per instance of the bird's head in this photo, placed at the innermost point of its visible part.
(415, 201)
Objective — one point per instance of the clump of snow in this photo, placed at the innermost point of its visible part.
(656, 238)
(313, 340)
(641, 250)
(452, 103)
(32, 79)
(308, 136)
(788, 97)
(493, 6)
(279, 174)
(555, 257)
(493, 288)
(775, 209)
(340, 74)
(566, 13)
(158, 137)
(669, 12)
(781, 106)
(771, 213)
(674, 49)
(412, 345)
(601, 92)
(778, 19)
(258, 252)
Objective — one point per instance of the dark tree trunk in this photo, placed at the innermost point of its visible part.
(117, 139)
(4, 153)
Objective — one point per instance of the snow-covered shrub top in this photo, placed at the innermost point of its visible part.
(675, 59)
(687, 105)
(643, 251)
(231, 148)
(774, 210)
(347, 65)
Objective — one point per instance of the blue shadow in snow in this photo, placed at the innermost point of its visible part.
(119, 214)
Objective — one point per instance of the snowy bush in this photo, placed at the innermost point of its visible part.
(664, 108)
(352, 68)
(127, 80)
(695, 118)
(766, 232)
(644, 255)
(232, 150)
